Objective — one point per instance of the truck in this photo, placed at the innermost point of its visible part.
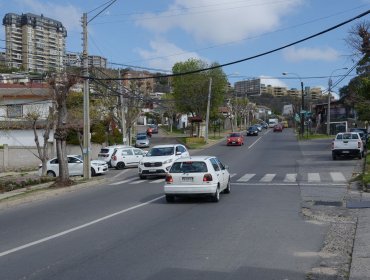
(347, 144)
(273, 122)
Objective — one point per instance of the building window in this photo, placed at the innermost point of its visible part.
(14, 111)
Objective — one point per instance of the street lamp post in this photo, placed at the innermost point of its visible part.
(302, 102)
(330, 84)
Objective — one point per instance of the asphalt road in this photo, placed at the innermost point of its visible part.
(124, 229)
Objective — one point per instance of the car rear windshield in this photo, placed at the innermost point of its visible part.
(347, 136)
(189, 167)
(164, 151)
(234, 135)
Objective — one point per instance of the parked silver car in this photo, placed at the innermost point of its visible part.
(142, 141)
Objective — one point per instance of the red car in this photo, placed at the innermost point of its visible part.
(278, 127)
(235, 138)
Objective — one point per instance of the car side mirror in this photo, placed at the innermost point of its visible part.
(178, 153)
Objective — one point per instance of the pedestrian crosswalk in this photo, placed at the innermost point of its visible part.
(267, 178)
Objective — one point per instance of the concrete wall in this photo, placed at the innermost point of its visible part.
(25, 157)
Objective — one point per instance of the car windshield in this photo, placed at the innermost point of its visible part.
(189, 167)
(79, 157)
(163, 151)
(234, 135)
(141, 137)
(104, 151)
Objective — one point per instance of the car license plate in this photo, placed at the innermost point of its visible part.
(187, 179)
(345, 152)
(152, 170)
(233, 142)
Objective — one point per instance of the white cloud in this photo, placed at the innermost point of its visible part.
(219, 21)
(158, 56)
(273, 82)
(299, 54)
(67, 14)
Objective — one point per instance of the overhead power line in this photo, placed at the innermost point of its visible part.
(251, 57)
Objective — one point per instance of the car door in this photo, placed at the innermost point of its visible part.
(128, 157)
(181, 149)
(75, 166)
(225, 173)
(138, 155)
(218, 171)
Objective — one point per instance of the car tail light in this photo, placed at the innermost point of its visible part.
(114, 157)
(169, 179)
(332, 145)
(207, 177)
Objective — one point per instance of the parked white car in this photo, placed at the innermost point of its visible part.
(158, 160)
(75, 166)
(347, 144)
(125, 157)
(106, 153)
(197, 176)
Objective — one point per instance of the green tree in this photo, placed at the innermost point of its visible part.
(358, 90)
(190, 91)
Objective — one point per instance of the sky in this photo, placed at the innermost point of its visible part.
(154, 35)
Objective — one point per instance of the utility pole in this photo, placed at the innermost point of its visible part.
(208, 108)
(122, 108)
(328, 112)
(302, 110)
(86, 128)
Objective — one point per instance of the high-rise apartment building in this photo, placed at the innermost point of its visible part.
(35, 43)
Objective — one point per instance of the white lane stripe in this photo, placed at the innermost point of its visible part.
(137, 182)
(313, 177)
(246, 178)
(122, 182)
(290, 178)
(254, 142)
(337, 177)
(267, 178)
(233, 174)
(157, 181)
(76, 228)
(119, 174)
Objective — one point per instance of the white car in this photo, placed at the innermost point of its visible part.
(197, 176)
(75, 166)
(158, 160)
(129, 156)
(106, 153)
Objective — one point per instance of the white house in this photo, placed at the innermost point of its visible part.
(16, 101)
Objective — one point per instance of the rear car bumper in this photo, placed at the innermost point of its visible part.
(193, 190)
(348, 152)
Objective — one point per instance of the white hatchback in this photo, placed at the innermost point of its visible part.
(158, 160)
(75, 166)
(125, 157)
(197, 176)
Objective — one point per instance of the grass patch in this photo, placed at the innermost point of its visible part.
(314, 136)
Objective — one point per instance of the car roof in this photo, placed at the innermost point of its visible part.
(195, 158)
(166, 145)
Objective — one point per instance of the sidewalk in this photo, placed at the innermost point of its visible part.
(360, 266)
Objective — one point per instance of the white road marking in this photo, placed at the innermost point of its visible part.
(254, 142)
(233, 174)
(338, 177)
(137, 182)
(122, 182)
(119, 174)
(19, 248)
(246, 178)
(313, 177)
(157, 181)
(290, 178)
(268, 178)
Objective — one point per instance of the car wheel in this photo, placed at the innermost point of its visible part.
(120, 165)
(216, 196)
(228, 187)
(359, 155)
(142, 177)
(170, 198)
(93, 173)
(334, 157)
(50, 174)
